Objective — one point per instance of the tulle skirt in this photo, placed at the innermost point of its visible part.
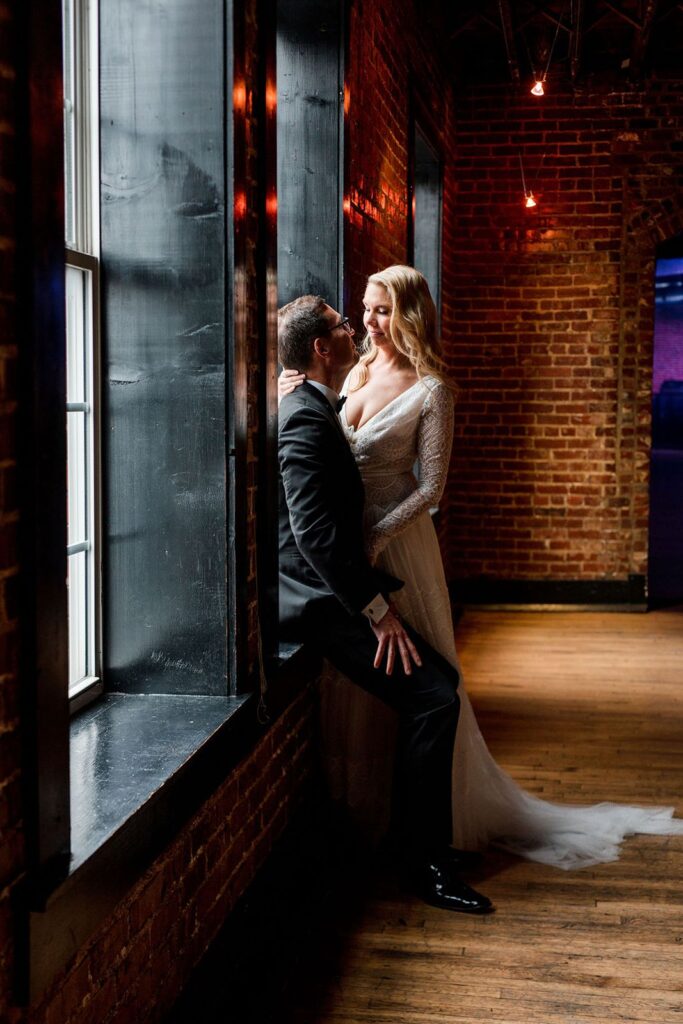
(359, 737)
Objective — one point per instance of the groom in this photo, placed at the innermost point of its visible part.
(331, 597)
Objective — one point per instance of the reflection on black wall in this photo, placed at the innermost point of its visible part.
(163, 253)
(309, 149)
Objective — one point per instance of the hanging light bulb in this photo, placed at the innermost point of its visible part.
(529, 200)
(538, 88)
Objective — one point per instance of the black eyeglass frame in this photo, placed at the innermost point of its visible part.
(342, 323)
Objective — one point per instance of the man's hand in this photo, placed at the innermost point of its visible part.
(392, 638)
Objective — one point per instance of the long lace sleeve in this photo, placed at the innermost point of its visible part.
(434, 441)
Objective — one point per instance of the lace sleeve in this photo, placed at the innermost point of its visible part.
(434, 441)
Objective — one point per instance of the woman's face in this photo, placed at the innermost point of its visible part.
(377, 315)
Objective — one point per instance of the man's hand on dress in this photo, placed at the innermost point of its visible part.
(392, 640)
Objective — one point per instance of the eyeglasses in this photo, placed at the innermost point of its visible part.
(344, 322)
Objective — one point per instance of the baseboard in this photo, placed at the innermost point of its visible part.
(607, 594)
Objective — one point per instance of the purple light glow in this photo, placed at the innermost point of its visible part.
(668, 347)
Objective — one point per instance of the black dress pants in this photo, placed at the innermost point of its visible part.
(428, 706)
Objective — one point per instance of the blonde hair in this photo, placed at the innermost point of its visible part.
(412, 326)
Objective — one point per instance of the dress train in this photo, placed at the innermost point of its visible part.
(359, 732)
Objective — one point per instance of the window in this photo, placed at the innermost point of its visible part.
(82, 287)
(427, 214)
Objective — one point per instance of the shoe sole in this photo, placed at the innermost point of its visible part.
(456, 910)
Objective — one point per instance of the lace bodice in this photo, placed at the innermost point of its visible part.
(417, 425)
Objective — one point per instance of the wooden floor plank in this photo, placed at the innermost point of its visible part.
(579, 707)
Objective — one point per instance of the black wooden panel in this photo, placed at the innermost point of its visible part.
(309, 144)
(42, 607)
(163, 250)
(238, 353)
(268, 490)
(427, 214)
(629, 593)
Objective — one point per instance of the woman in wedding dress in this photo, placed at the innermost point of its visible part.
(399, 411)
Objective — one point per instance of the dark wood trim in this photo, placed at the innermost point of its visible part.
(267, 502)
(344, 171)
(237, 356)
(42, 605)
(630, 592)
(345, 256)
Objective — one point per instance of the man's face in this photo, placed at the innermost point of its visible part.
(342, 347)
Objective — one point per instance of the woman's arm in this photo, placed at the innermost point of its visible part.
(287, 382)
(434, 442)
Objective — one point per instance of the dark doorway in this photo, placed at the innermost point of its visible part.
(666, 463)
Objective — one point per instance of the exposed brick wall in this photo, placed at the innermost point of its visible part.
(11, 831)
(550, 330)
(547, 313)
(390, 68)
(134, 967)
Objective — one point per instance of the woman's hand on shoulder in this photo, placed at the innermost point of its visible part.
(287, 382)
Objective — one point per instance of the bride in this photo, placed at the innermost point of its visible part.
(399, 411)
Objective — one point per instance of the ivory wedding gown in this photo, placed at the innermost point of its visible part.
(359, 731)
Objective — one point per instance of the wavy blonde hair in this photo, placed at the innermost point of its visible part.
(412, 327)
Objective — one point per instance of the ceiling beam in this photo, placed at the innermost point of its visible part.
(622, 14)
(464, 25)
(542, 11)
(472, 20)
(509, 37)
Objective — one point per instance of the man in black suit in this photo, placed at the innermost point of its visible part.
(332, 597)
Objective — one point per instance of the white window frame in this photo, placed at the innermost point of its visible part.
(82, 259)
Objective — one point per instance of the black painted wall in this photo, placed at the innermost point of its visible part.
(310, 157)
(163, 117)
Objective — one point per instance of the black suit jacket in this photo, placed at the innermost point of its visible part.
(322, 554)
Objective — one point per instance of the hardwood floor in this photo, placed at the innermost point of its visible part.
(578, 707)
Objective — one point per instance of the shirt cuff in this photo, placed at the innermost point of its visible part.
(376, 609)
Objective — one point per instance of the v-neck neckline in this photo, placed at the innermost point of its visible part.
(362, 426)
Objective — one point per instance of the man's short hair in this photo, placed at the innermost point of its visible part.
(298, 323)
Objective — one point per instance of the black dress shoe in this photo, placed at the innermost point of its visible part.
(437, 884)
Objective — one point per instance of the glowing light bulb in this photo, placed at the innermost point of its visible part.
(529, 200)
(537, 88)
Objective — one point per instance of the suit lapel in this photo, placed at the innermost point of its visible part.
(324, 404)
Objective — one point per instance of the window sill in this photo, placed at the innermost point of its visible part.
(141, 765)
(124, 749)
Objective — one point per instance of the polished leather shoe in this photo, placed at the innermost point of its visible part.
(438, 885)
